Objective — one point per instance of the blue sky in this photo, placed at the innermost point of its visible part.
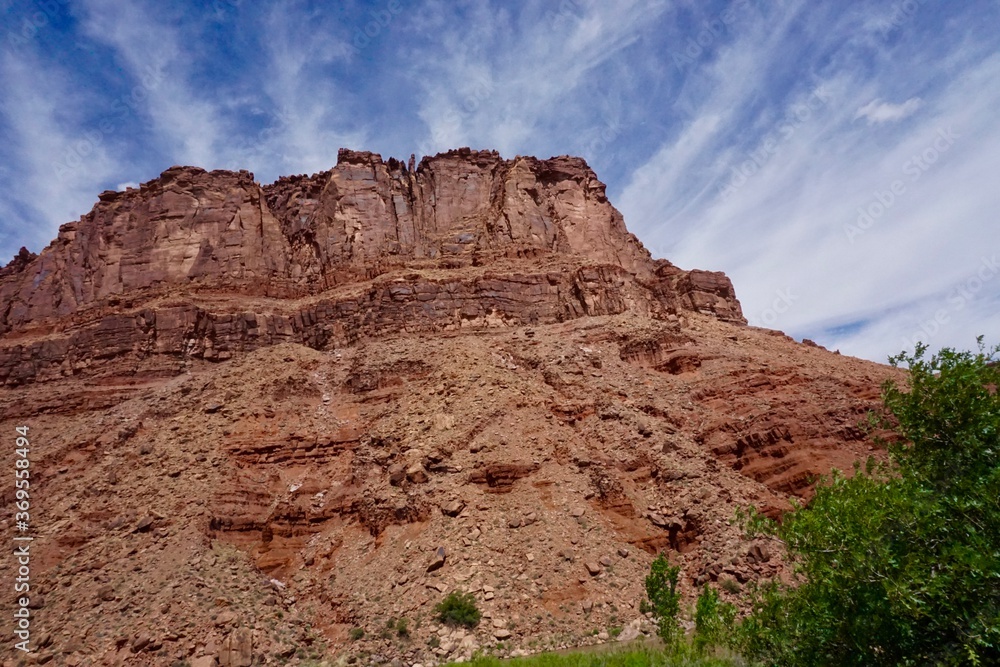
(839, 160)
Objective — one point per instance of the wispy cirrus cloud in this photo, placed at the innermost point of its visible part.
(148, 39)
(47, 145)
(878, 111)
(306, 111)
(788, 226)
(493, 77)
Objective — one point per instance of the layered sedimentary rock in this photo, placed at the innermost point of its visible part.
(410, 304)
(459, 208)
(186, 226)
(367, 248)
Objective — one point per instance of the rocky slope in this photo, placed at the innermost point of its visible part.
(264, 418)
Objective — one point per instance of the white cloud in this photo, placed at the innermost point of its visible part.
(60, 164)
(308, 124)
(781, 232)
(499, 79)
(877, 111)
(185, 120)
(303, 122)
(954, 317)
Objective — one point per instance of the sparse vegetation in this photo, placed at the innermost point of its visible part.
(730, 585)
(357, 633)
(458, 609)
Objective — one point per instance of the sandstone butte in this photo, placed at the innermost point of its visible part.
(263, 417)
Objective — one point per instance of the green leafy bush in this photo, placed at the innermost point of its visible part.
(900, 564)
(663, 599)
(357, 633)
(458, 609)
(713, 620)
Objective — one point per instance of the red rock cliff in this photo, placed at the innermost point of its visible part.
(466, 238)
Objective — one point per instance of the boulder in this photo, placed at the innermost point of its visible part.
(453, 508)
(237, 649)
(438, 561)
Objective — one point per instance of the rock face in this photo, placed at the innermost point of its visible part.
(237, 649)
(267, 421)
(365, 249)
(460, 208)
(188, 225)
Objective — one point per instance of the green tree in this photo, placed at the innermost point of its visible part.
(900, 564)
(713, 620)
(663, 599)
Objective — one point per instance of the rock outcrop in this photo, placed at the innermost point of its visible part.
(187, 226)
(365, 249)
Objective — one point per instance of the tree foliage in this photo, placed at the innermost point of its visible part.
(663, 599)
(900, 564)
(713, 620)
